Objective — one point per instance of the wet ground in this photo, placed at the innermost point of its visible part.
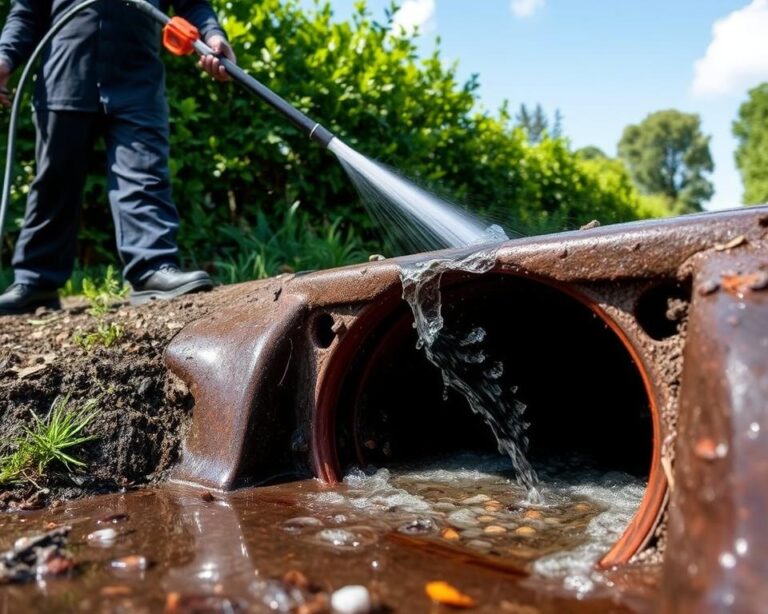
(178, 549)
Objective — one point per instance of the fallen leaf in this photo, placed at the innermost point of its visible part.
(28, 371)
(445, 594)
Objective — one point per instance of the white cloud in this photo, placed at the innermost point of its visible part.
(737, 57)
(415, 14)
(525, 8)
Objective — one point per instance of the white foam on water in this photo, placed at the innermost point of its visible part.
(396, 491)
(620, 496)
(374, 493)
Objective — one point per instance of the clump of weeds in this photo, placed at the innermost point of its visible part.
(49, 442)
(102, 297)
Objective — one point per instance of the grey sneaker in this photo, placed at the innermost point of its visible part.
(169, 282)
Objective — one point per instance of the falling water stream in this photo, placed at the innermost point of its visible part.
(432, 222)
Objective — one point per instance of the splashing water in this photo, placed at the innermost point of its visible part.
(414, 217)
(427, 222)
(583, 512)
(460, 357)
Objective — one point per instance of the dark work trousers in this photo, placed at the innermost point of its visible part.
(146, 220)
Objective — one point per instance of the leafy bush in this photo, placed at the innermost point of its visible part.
(238, 167)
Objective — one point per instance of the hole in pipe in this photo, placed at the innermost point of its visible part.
(584, 394)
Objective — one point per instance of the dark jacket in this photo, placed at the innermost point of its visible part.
(107, 58)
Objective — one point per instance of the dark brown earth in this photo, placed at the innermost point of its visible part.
(143, 409)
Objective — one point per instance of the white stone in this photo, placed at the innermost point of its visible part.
(103, 537)
(351, 600)
(476, 499)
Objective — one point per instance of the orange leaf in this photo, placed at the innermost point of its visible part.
(444, 593)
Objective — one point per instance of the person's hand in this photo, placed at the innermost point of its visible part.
(5, 74)
(211, 64)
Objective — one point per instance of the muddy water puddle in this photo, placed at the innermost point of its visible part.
(280, 547)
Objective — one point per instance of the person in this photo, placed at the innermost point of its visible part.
(102, 76)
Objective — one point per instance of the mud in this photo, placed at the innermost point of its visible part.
(143, 409)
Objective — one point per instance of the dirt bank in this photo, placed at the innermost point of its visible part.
(142, 409)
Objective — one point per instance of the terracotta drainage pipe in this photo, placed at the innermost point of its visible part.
(335, 376)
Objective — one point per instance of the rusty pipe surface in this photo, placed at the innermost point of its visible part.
(283, 347)
(718, 543)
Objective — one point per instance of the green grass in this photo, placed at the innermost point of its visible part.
(296, 244)
(49, 441)
(102, 297)
(105, 335)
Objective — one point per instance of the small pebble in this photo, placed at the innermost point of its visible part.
(493, 507)
(479, 544)
(463, 519)
(486, 518)
(494, 529)
(582, 507)
(525, 531)
(444, 507)
(471, 533)
(102, 537)
(533, 515)
(301, 522)
(449, 534)
(351, 600)
(476, 499)
(132, 562)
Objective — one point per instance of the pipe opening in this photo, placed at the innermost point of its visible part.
(585, 398)
(322, 328)
(661, 308)
(589, 401)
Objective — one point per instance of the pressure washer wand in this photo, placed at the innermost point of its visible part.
(181, 38)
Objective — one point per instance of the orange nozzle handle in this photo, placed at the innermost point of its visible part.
(179, 36)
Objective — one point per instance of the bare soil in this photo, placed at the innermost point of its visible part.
(143, 408)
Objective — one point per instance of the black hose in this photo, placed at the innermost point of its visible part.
(14, 119)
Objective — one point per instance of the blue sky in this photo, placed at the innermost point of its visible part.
(605, 63)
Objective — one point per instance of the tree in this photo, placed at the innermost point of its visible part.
(751, 130)
(590, 152)
(668, 155)
(534, 123)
